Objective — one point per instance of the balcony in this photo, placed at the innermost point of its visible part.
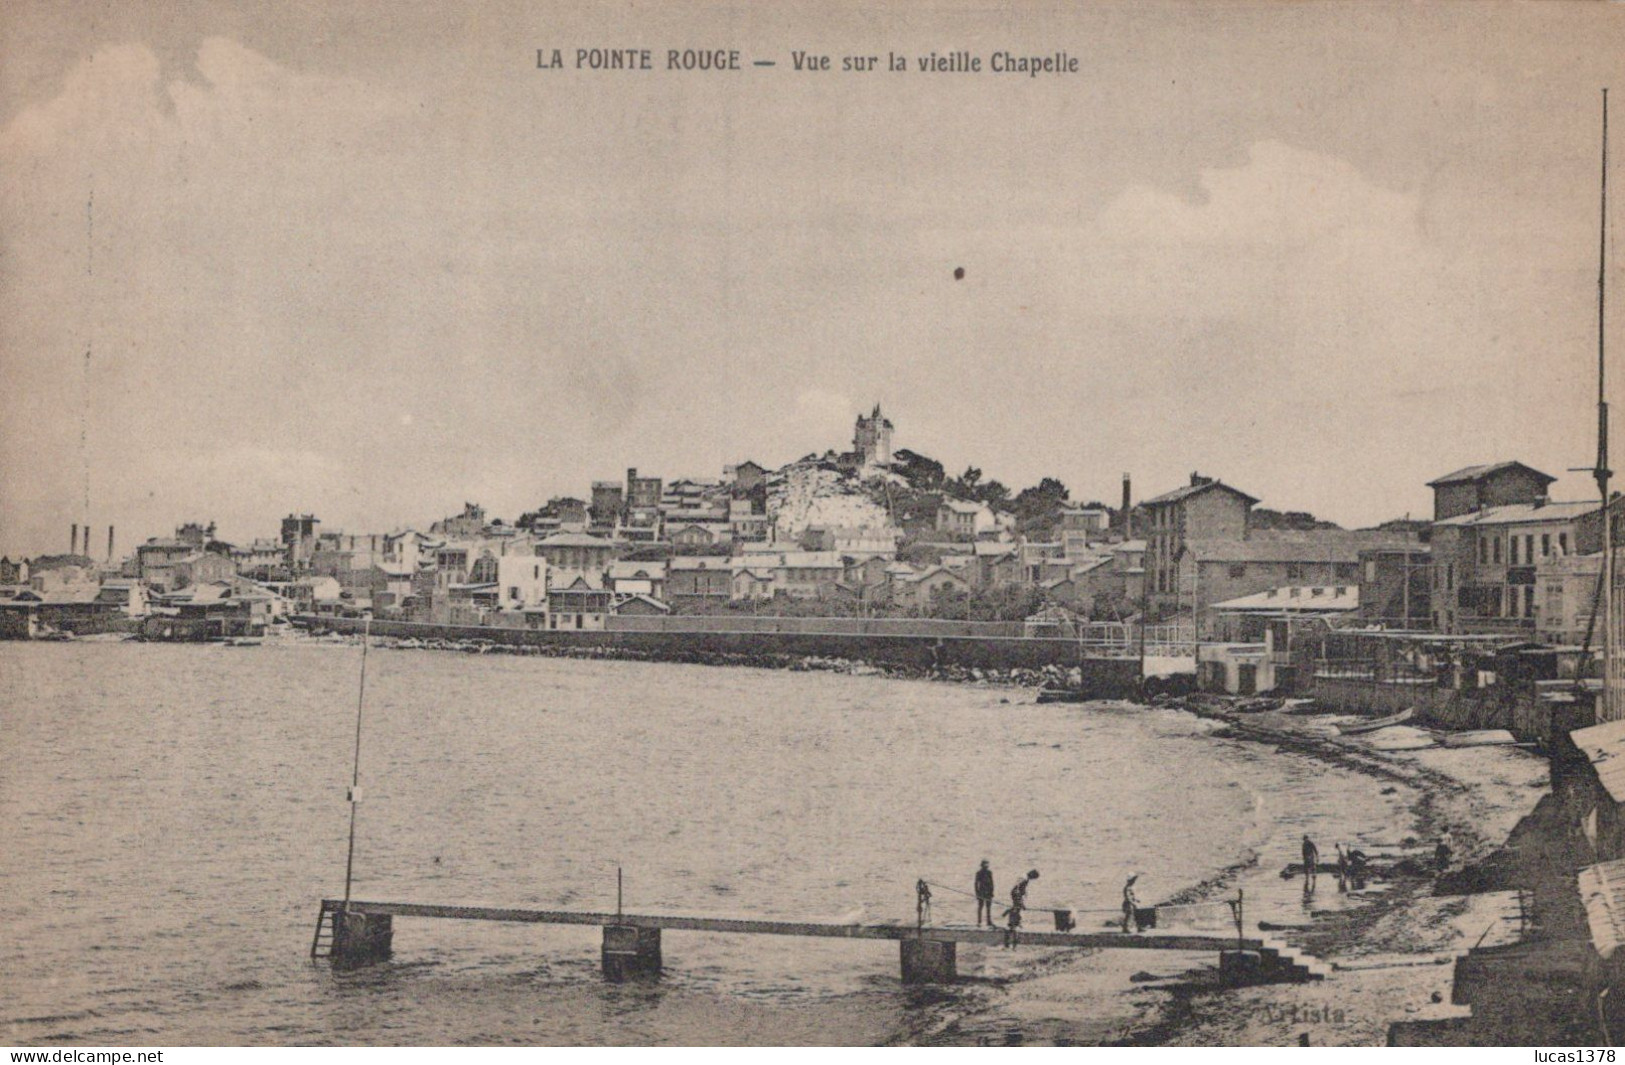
(1474, 626)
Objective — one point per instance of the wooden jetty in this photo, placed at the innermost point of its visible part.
(361, 933)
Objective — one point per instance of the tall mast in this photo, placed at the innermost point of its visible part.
(355, 768)
(1611, 708)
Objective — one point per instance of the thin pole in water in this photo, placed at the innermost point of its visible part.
(355, 768)
(1610, 693)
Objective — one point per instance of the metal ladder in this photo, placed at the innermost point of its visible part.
(321, 944)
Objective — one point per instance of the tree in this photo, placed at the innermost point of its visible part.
(1038, 508)
(966, 485)
(922, 474)
(1297, 520)
(995, 495)
(949, 602)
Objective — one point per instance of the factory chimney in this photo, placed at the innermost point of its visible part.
(73, 539)
(1128, 510)
(109, 544)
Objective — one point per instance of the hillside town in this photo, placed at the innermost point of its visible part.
(872, 532)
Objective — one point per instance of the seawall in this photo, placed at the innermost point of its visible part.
(1103, 678)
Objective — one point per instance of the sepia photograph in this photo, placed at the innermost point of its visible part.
(614, 523)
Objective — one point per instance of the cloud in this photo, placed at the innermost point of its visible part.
(176, 230)
(1282, 198)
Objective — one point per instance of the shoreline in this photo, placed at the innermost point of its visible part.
(1391, 950)
(1052, 676)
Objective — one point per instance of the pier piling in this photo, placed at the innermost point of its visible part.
(929, 961)
(631, 953)
(361, 939)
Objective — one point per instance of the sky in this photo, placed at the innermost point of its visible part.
(369, 261)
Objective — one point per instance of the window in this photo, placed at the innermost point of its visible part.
(1529, 550)
(1545, 545)
(1483, 551)
(1294, 572)
(1238, 571)
(1562, 543)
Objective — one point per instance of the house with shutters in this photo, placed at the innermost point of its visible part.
(1206, 510)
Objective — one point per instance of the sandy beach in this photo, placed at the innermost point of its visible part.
(1389, 947)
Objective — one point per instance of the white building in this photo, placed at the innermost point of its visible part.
(521, 581)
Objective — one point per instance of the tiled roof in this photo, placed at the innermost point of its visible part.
(1523, 513)
(1294, 598)
(1602, 892)
(575, 540)
(811, 560)
(640, 598)
(1328, 547)
(1186, 491)
(1474, 473)
(624, 570)
(1604, 746)
(698, 562)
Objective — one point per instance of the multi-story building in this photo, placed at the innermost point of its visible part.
(637, 578)
(582, 604)
(1079, 527)
(608, 503)
(1214, 571)
(641, 492)
(521, 581)
(1565, 591)
(1484, 562)
(964, 518)
(808, 574)
(1396, 586)
(299, 537)
(467, 525)
(1207, 510)
(578, 552)
(155, 560)
(699, 578)
(1477, 488)
(745, 477)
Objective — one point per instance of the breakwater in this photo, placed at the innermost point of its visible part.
(1097, 676)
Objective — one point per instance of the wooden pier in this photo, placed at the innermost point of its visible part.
(362, 932)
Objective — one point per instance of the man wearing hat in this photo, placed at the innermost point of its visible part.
(984, 894)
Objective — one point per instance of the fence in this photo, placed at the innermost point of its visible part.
(746, 623)
(1111, 637)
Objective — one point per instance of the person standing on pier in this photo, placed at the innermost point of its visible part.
(1018, 903)
(984, 894)
(922, 902)
(1131, 905)
(1311, 859)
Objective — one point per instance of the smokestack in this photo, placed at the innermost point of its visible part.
(73, 539)
(1128, 511)
(109, 543)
